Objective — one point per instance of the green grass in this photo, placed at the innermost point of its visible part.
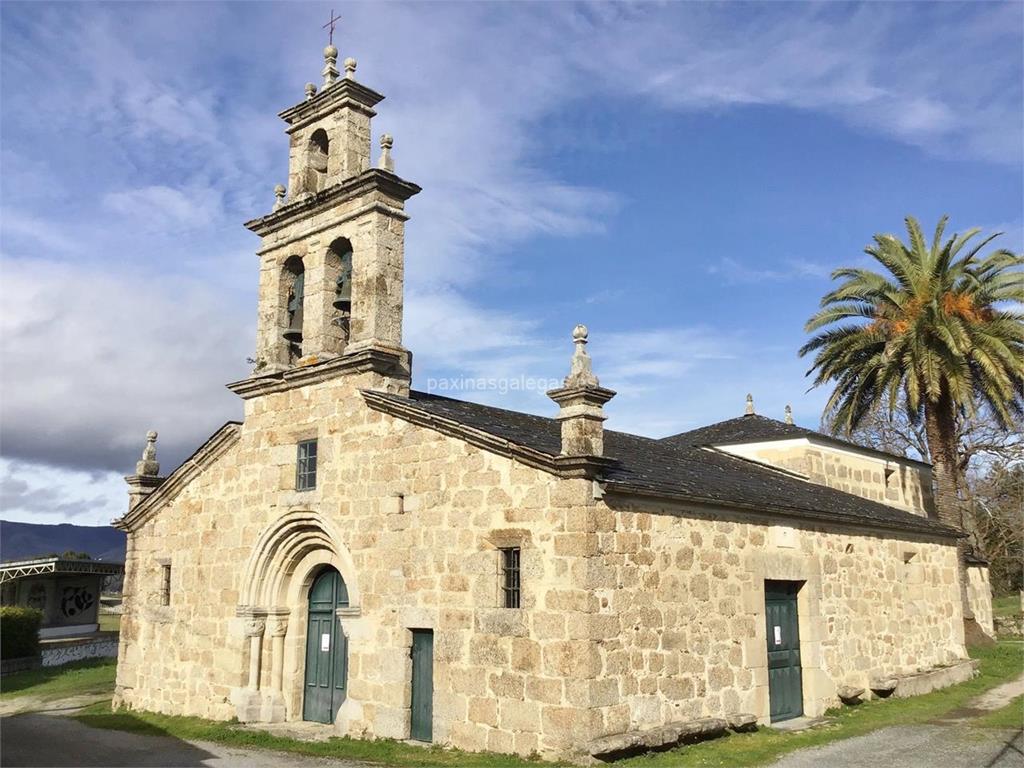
(999, 663)
(1006, 606)
(384, 752)
(110, 622)
(93, 676)
(1010, 716)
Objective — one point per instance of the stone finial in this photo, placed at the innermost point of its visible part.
(580, 373)
(386, 162)
(148, 466)
(789, 414)
(279, 193)
(581, 403)
(310, 91)
(330, 72)
(749, 410)
(350, 68)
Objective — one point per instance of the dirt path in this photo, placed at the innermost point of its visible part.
(30, 703)
(991, 700)
(949, 742)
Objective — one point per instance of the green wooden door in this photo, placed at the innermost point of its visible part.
(326, 649)
(422, 651)
(785, 684)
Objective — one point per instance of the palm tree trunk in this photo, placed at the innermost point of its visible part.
(940, 424)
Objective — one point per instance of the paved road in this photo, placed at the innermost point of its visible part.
(917, 746)
(46, 740)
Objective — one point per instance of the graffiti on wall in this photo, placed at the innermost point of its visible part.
(76, 600)
(37, 597)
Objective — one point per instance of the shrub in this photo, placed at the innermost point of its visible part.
(19, 632)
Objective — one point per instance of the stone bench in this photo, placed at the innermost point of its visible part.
(663, 736)
(904, 686)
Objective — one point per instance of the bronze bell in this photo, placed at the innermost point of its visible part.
(293, 334)
(343, 291)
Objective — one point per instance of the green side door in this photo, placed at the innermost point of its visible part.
(785, 682)
(422, 651)
(326, 649)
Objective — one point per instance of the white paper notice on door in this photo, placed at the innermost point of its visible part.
(778, 635)
(325, 641)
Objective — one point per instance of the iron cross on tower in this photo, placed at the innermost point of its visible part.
(330, 33)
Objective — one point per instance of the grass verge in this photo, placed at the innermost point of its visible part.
(382, 752)
(1008, 605)
(92, 676)
(999, 663)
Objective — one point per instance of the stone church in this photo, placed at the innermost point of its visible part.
(401, 565)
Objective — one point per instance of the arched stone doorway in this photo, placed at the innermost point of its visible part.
(287, 562)
(326, 669)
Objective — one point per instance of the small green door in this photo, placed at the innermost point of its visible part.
(326, 649)
(785, 684)
(422, 651)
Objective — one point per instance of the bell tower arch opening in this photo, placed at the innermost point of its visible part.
(293, 281)
(317, 158)
(338, 266)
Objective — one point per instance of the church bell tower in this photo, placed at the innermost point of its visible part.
(332, 250)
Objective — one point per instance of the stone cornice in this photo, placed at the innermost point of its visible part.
(204, 456)
(345, 92)
(355, 213)
(582, 395)
(771, 512)
(371, 180)
(387, 363)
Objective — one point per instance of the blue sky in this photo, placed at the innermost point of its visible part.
(681, 177)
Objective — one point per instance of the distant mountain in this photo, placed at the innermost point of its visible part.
(20, 541)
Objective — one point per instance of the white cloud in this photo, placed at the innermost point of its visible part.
(735, 272)
(19, 226)
(90, 360)
(33, 492)
(160, 207)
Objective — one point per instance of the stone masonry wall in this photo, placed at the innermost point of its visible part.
(505, 680)
(632, 616)
(894, 482)
(682, 616)
(979, 596)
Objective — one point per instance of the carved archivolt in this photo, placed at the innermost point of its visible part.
(286, 550)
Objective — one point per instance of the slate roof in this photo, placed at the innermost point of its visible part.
(753, 428)
(680, 470)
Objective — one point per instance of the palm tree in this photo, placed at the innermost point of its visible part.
(937, 331)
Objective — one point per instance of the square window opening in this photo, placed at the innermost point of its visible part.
(305, 466)
(511, 585)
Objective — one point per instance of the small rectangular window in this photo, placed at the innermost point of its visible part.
(305, 466)
(165, 584)
(510, 579)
